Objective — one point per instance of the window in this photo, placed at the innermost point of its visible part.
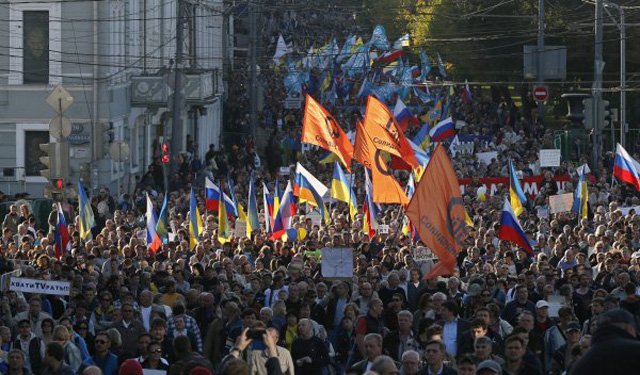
(35, 43)
(32, 151)
(35, 39)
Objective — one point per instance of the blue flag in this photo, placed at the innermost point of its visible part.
(379, 38)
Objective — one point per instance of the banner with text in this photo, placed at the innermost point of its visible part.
(530, 185)
(60, 288)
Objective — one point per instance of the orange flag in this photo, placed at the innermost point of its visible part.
(321, 129)
(385, 187)
(363, 151)
(385, 132)
(437, 212)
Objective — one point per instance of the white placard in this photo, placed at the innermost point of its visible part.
(555, 304)
(285, 171)
(625, 210)
(383, 229)
(148, 371)
(337, 262)
(486, 157)
(316, 218)
(549, 158)
(560, 203)
(543, 212)
(240, 229)
(38, 286)
(422, 253)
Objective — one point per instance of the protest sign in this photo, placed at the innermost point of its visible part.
(316, 218)
(383, 229)
(530, 184)
(560, 203)
(486, 157)
(550, 158)
(337, 262)
(625, 210)
(240, 228)
(285, 171)
(543, 212)
(555, 304)
(422, 253)
(60, 288)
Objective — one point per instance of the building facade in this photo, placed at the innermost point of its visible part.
(116, 58)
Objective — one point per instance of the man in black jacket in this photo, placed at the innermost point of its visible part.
(614, 348)
(434, 354)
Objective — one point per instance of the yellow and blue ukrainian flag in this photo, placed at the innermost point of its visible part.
(341, 190)
(581, 197)
(87, 221)
(518, 199)
(195, 222)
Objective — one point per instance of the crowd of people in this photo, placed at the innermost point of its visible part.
(260, 306)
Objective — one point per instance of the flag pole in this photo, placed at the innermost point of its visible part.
(353, 177)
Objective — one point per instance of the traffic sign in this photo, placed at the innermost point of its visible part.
(59, 99)
(540, 93)
(60, 127)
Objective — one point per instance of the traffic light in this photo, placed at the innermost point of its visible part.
(57, 163)
(49, 161)
(58, 183)
(587, 113)
(605, 114)
(165, 152)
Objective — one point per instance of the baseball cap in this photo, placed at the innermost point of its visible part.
(489, 365)
(542, 303)
(131, 367)
(573, 326)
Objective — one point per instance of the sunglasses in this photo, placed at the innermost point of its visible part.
(101, 341)
(157, 351)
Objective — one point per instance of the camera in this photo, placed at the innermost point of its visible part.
(255, 334)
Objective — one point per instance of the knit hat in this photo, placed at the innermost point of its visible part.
(131, 367)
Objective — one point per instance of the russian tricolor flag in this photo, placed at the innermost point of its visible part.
(285, 213)
(212, 197)
(466, 94)
(267, 201)
(61, 234)
(153, 241)
(626, 168)
(510, 229)
(443, 129)
(404, 116)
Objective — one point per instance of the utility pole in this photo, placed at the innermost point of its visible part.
(178, 100)
(539, 70)
(253, 61)
(623, 68)
(623, 79)
(598, 67)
